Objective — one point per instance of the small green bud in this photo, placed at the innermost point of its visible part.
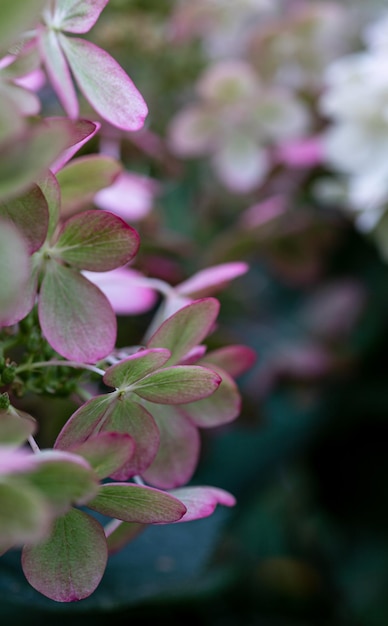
(4, 401)
(8, 374)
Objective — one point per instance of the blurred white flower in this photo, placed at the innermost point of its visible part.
(223, 26)
(294, 49)
(236, 121)
(355, 145)
(355, 100)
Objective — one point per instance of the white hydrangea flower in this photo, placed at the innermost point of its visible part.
(355, 99)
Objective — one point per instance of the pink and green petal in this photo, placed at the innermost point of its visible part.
(48, 184)
(24, 101)
(28, 156)
(86, 422)
(135, 367)
(69, 565)
(12, 123)
(202, 501)
(106, 452)
(63, 480)
(235, 359)
(178, 384)
(15, 17)
(194, 355)
(137, 503)
(29, 212)
(14, 271)
(105, 84)
(83, 131)
(17, 66)
(15, 460)
(123, 534)
(96, 241)
(15, 426)
(58, 71)
(121, 287)
(119, 414)
(77, 16)
(178, 454)
(211, 279)
(76, 318)
(81, 178)
(186, 328)
(27, 296)
(25, 514)
(132, 418)
(221, 408)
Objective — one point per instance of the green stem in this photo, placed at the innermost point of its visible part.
(83, 394)
(57, 362)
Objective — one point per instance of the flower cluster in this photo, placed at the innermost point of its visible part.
(236, 122)
(130, 449)
(355, 144)
(255, 102)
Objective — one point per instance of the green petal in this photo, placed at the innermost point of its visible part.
(83, 177)
(29, 212)
(135, 367)
(15, 426)
(136, 503)
(186, 328)
(24, 513)
(69, 565)
(50, 189)
(97, 241)
(220, 408)
(14, 269)
(23, 160)
(15, 17)
(106, 452)
(178, 384)
(63, 481)
(76, 318)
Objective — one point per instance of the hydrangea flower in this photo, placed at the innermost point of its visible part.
(39, 492)
(164, 391)
(49, 241)
(92, 240)
(223, 26)
(294, 49)
(236, 122)
(355, 102)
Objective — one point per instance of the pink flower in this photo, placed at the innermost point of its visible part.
(130, 197)
(301, 153)
(121, 287)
